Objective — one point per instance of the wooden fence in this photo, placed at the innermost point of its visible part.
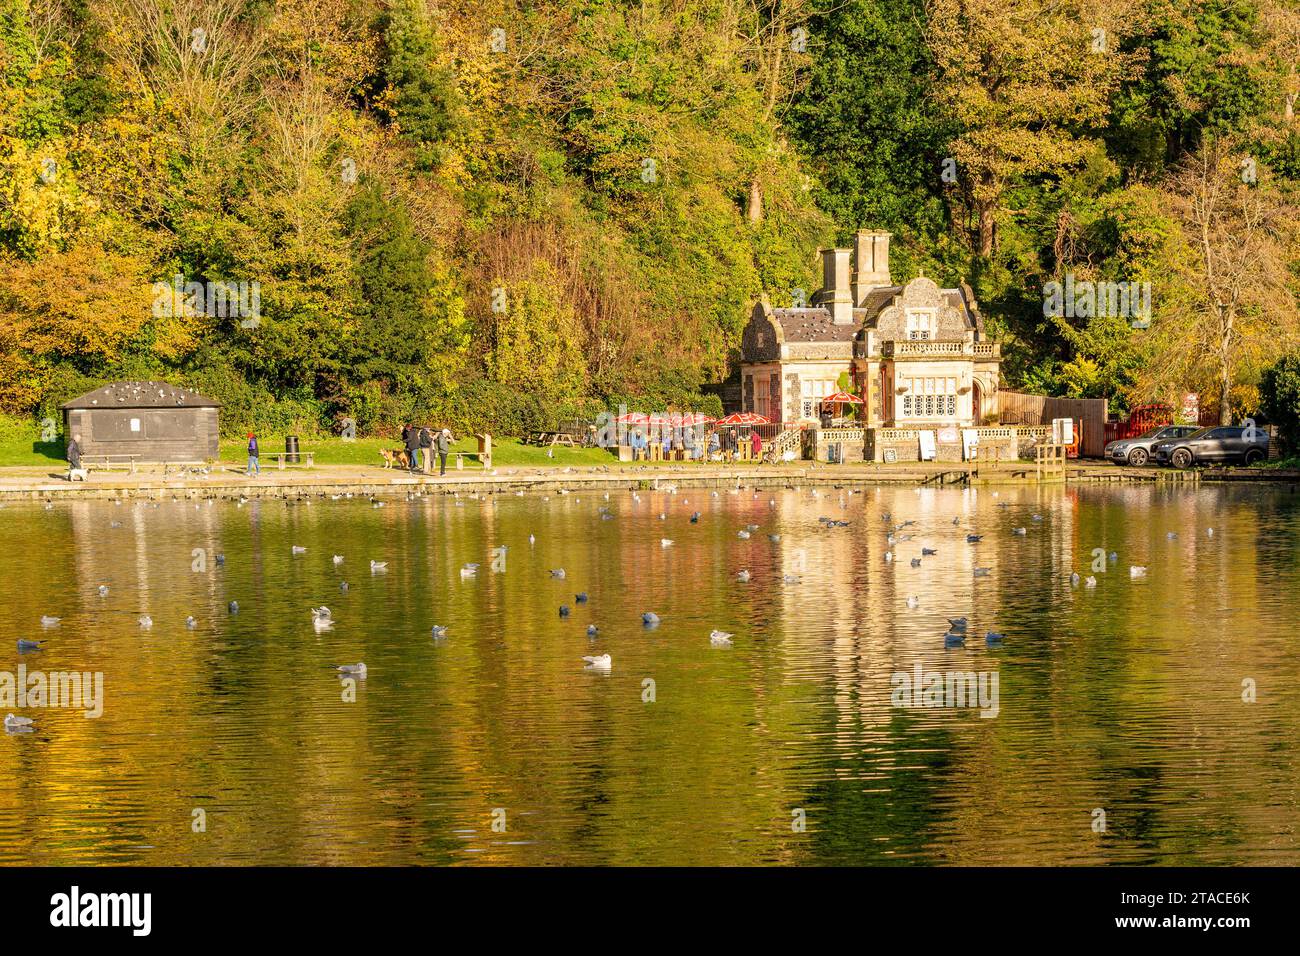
(1017, 408)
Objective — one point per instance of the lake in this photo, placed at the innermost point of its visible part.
(1119, 734)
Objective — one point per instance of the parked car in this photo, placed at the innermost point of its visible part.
(1220, 445)
(1136, 451)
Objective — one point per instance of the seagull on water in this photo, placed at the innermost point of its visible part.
(48, 621)
(720, 638)
(913, 601)
(743, 577)
(378, 566)
(13, 722)
(1137, 571)
(338, 559)
(146, 620)
(557, 572)
(299, 550)
(352, 670)
(599, 662)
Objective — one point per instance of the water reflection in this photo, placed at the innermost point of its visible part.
(1126, 697)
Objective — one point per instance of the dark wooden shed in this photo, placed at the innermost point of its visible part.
(154, 421)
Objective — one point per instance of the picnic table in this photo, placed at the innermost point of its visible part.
(551, 438)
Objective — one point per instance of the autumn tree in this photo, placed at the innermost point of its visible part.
(1230, 304)
(1025, 80)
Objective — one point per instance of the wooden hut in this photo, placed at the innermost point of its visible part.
(145, 422)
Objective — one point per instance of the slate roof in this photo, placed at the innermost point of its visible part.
(141, 395)
(814, 324)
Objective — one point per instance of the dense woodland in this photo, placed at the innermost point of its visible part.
(505, 213)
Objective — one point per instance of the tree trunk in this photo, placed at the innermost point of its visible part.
(1225, 401)
(985, 230)
(755, 211)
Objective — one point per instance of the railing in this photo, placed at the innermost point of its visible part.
(929, 348)
(786, 441)
(843, 434)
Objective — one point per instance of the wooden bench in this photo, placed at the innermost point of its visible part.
(281, 456)
(106, 463)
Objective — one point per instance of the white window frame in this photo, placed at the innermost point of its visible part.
(922, 324)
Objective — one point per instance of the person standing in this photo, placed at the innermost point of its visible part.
(426, 451)
(412, 448)
(74, 453)
(444, 446)
(756, 445)
(254, 468)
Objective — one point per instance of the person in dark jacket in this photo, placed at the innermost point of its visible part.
(412, 448)
(254, 468)
(426, 451)
(74, 452)
(444, 446)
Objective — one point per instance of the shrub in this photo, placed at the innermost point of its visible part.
(1280, 400)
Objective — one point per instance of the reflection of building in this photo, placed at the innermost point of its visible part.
(152, 421)
(916, 353)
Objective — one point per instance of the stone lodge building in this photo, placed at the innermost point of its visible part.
(916, 354)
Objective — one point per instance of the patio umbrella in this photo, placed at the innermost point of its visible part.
(692, 419)
(642, 419)
(841, 398)
(745, 418)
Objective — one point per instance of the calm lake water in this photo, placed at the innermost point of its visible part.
(1124, 698)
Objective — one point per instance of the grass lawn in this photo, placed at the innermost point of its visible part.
(506, 452)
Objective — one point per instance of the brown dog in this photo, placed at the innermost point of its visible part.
(398, 458)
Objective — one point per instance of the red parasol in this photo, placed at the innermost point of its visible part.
(745, 418)
(841, 398)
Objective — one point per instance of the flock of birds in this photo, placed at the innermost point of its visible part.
(897, 534)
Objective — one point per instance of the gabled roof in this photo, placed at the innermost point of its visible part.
(141, 395)
(813, 325)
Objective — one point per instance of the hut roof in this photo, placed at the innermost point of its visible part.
(141, 395)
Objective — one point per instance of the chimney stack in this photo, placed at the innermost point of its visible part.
(836, 294)
(872, 263)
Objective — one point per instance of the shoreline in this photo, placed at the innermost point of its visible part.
(21, 483)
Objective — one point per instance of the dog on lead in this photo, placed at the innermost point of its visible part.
(398, 458)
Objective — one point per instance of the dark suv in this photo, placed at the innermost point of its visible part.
(1136, 451)
(1221, 445)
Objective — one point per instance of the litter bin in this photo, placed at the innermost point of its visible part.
(484, 450)
(291, 449)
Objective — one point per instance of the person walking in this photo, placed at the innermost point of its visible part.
(74, 455)
(426, 451)
(254, 468)
(444, 446)
(412, 448)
